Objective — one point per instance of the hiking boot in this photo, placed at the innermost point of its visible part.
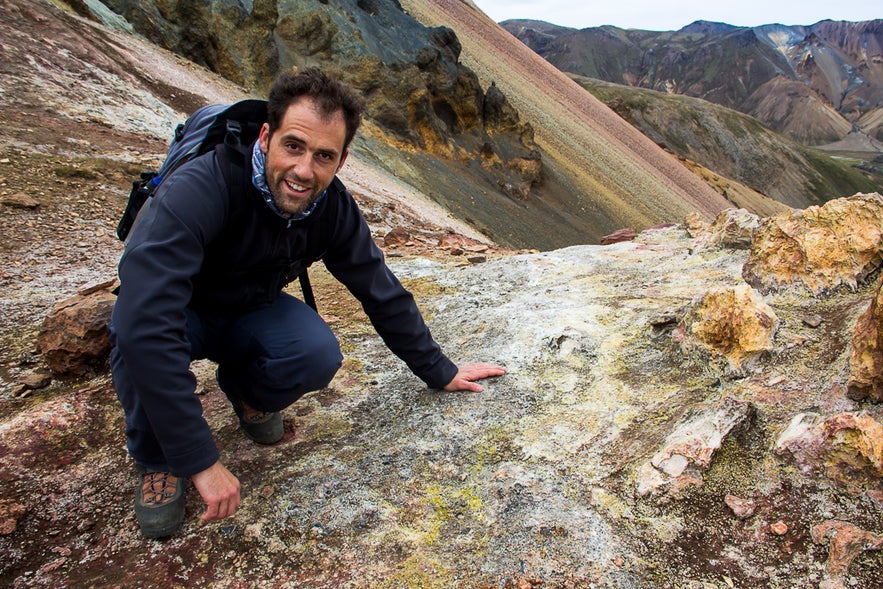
(159, 503)
(264, 427)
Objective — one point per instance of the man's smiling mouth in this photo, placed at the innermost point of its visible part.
(296, 187)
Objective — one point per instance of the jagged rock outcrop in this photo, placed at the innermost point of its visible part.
(819, 248)
(733, 228)
(417, 92)
(866, 361)
(689, 449)
(847, 448)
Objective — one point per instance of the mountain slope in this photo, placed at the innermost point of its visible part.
(734, 145)
(615, 170)
(526, 177)
(835, 68)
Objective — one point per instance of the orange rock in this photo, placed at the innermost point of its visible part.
(820, 248)
(847, 447)
(779, 528)
(866, 359)
(735, 323)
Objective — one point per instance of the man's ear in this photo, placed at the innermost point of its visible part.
(346, 152)
(265, 137)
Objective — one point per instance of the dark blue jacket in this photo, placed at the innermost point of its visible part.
(196, 247)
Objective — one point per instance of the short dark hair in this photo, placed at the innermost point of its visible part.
(330, 96)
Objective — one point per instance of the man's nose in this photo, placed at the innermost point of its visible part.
(303, 167)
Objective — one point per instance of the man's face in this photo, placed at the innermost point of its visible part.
(303, 155)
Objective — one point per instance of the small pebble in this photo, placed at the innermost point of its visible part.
(742, 508)
(779, 528)
(812, 321)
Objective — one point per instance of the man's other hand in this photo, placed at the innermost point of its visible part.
(219, 489)
(469, 373)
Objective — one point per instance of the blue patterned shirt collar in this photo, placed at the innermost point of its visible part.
(259, 179)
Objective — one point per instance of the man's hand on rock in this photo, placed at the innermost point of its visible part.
(469, 373)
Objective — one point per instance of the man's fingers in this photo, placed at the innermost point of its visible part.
(210, 513)
(219, 510)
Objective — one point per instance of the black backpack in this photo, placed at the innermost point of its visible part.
(235, 125)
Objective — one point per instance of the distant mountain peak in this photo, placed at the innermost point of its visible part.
(707, 27)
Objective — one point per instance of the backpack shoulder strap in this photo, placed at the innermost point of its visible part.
(232, 162)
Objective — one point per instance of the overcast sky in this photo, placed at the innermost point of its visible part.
(673, 14)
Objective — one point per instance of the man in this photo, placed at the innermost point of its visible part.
(202, 277)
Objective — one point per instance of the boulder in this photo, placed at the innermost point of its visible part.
(866, 359)
(396, 237)
(733, 228)
(847, 448)
(688, 450)
(73, 338)
(819, 248)
(733, 322)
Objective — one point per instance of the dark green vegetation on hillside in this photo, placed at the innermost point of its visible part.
(735, 145)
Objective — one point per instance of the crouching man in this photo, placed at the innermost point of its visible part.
(202, 277)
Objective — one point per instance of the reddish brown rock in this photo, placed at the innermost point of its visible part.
(847, 542)
(396, 237)
(866, 359)
(779, 528)
(452, 240)
(626, 234)
(35, 380)
(820, 248)
(741, 508)
(10, 513)
(73, 338)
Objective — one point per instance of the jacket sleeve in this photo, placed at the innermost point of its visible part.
(355, 260)
(163, 254)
